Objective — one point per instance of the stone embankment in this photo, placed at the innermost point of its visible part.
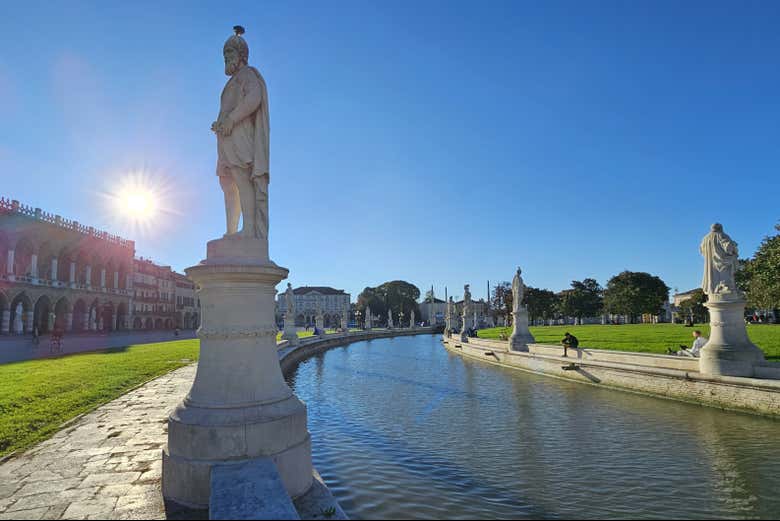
(658, 375)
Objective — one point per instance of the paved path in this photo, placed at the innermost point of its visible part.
(105, 465)
(17, 348)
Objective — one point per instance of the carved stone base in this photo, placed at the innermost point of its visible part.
(729, 351)
(521, 336)
(239, 407)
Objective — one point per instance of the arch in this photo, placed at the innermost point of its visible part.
(138, 323)
(121, 316)
(106, 317)
(27, 306)
(61, 309)
(80, 315)
(5, 303)
(97, 265)
(45, 254)
(41, 312)
(158, 324)
(169, 324)
(63, 264)
(82, 261)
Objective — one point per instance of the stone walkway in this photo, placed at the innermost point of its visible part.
(105, 465)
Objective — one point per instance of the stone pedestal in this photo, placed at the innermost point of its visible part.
(729, 351)
(289, 333)
(239, 408)
(521, 336)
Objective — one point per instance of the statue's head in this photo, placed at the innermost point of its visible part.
(519, 271)
(235, 51)
(717, 228)
(289, 286)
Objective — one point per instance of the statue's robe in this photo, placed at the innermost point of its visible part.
(245, 100)
(720, 262)
(517, 293)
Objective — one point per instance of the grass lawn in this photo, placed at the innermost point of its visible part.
(645, 338)
(38, 396)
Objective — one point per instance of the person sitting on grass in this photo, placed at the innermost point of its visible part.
(698, 342)
(569, 341)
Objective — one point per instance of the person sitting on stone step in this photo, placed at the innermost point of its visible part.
(569, 341)
(698, 342)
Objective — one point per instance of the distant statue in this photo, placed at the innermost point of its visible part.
(52, 318)
(243, 138)
(720, 262)
(18, 324)
(368, 318)
(518, 291)
(389, 318)
(289, 297)
(411, 319)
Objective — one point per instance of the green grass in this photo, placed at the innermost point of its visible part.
(38, 396)
(643, 338)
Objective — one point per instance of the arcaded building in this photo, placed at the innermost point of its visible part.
(58, 273)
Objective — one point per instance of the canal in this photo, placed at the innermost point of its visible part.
(402, 428)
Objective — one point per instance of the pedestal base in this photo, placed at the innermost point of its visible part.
(200, 438)
(729, 351)
(291, 336)
(521, 336)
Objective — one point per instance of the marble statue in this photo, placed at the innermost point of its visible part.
(18, 324)
(720, 262)
(465, 314)
(50, 323)
(411, 320)
(729, 351)
(239, 408)
(521, 336)
(92, 319)
(389, 319)
(289, 300)
(243, 142)
(369, 325)
(518, 291)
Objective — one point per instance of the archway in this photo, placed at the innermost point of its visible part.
(158, 324)
(41, 314)
(138, 323)
(23, 258)
(121, 316)
(169, 324)
(80, 316)
(149, 323)
(61, 310)
(107, 316)
(26, 306)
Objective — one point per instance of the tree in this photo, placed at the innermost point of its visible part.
(541, 303)
(693, 308)
(397, 295)
(760, 275)
(584, 299)
(501, 300)
(635, 293)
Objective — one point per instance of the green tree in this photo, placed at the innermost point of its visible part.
(396, 295)
(541, 303)
(760, 275)
(501, 301)
(634, 293)
(693, 308)
(584, 299)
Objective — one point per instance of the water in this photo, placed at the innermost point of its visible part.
(401, 428)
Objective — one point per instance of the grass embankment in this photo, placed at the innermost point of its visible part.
(643, 338)
(38, 396)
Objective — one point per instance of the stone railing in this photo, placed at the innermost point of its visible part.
(14, 207)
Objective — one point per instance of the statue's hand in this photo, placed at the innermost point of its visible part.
(227, 126)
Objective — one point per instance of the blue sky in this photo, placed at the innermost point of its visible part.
(440, 143)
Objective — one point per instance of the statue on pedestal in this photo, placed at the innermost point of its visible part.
(18, 323)
(464, 331)
(411, 319)
(389, 319)
(368, 324)
(521, 335)
(729, 351)
(289, 333)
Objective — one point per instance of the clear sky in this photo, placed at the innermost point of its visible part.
(440, 143)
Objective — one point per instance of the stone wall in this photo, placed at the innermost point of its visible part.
(656, 375)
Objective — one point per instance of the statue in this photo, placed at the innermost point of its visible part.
(411, 319)
(518, 291)
(389, 319)
(289, 297)
(369, 325)
(18, 324)
(720, 262)
(243, 134)
(464, 331)
(51, 320)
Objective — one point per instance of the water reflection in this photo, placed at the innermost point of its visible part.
(402, 428)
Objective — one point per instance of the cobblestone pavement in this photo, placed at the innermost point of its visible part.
(105, 465)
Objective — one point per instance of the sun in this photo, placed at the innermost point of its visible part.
(138, 203)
